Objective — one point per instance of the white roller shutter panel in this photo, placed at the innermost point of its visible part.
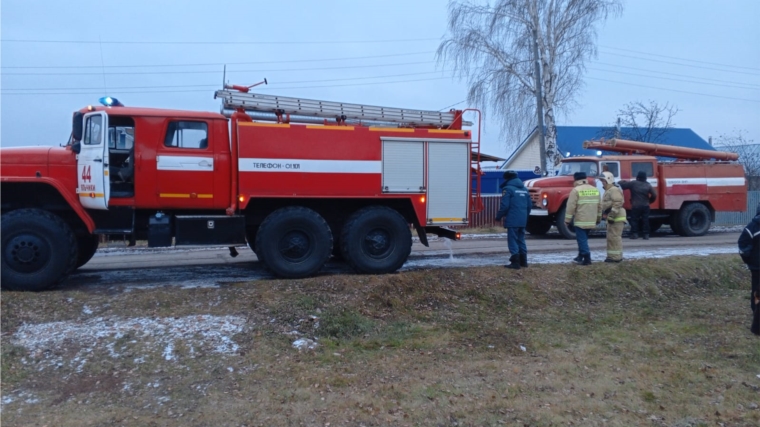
(448, 182)
(403, 167)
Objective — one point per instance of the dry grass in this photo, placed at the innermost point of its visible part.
(651, 342)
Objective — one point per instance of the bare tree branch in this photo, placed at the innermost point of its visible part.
(641, 122)
(748, 151)
(490, 45)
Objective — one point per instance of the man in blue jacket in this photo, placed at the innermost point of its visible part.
(749, 249)
(515, 208)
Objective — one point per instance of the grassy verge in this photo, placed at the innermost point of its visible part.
(649, 342)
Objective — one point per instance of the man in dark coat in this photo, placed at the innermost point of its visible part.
(515, 208)
(749, 249)
(642, 195)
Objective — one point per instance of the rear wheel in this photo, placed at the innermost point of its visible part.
(538, 226)
(87, 245)
(694, 219)
(38, 250)
(294, 242)
(568, 231)
(376, 240)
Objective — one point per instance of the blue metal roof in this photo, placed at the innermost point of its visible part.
(570, 139)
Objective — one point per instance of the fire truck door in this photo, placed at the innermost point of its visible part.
(92, 163)
(185, 166)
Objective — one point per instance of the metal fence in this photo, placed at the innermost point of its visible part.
(485, 218)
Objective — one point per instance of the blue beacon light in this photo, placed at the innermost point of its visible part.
(110, 102)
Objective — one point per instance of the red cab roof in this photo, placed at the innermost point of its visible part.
(153, 112)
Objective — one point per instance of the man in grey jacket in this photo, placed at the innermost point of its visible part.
(642, 195)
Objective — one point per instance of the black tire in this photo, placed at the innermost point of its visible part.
(38, 250)
(250, 237)
(294, 242)
(87, 245)
(376, 240)
(537, 226)
(567, 231)
(694, 220)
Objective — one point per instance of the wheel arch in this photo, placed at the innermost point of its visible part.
(49, 195)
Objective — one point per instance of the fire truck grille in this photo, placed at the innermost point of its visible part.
(535, 197)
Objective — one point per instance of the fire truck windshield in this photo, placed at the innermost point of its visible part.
(569, 168)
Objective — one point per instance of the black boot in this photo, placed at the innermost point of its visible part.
(634, 236)
(579, 258)
(523, 260)
(514, 262)
(586, 259)
(756, 318)
(646, 237)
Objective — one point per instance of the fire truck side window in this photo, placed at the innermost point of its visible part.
(641, 166)
(92, 130)
(612, 167)
(187, 135)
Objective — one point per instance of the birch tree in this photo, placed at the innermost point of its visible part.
(491, 44)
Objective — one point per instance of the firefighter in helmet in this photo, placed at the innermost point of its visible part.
(614, 212)
(584, 210)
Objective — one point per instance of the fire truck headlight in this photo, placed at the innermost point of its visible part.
(544, 200)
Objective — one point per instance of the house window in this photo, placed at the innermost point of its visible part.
(183, 134)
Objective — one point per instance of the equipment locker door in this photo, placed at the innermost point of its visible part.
(185, 165)
(93, 184)
(448, 182)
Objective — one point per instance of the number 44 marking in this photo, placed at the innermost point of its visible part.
(86, 174)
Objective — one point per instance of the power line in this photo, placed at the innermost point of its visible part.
(221, 63)
(217, 42)
(453, 105)
(674, 90)
(263, 89)
(217, 72)
(185, 86)
(680, 59)
(672, 79)
(682, 65)
(617, 66)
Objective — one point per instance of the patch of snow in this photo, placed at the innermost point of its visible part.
(229, 368)
(86, 310)
(560, 257)
(211, 332)
(304, 344)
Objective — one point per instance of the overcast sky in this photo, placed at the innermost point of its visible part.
(702, 56)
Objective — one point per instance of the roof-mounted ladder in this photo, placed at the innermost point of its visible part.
(275, 108)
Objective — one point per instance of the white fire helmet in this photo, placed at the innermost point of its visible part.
(608, 177)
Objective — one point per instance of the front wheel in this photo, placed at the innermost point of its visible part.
(38, 250)
(567, 231)
(376, 240)
(87, 246)
(294, 242)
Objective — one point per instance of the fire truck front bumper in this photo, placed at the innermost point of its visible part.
(538, 212)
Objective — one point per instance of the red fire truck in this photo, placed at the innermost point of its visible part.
(691, 188)
(296, 179)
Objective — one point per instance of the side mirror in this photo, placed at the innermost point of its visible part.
(76, 147)
(76, 126)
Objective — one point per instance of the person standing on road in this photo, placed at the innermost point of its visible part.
(749, 249)
(584, 209)
(515, 208)
(614, 212)
(642, 195)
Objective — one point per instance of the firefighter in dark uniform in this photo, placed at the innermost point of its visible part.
(642, 195)
(515, 208)
(749, 249)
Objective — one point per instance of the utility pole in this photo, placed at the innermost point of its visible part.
(539, 105)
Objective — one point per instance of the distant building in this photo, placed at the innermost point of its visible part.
(527, 157)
